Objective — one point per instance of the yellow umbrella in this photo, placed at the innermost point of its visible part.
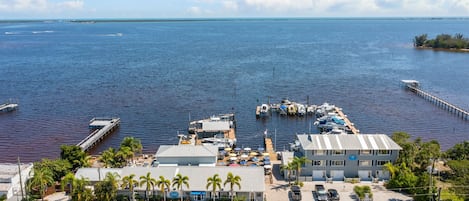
(265, 154)
(228, 149)
(253, 153)
(233, 155)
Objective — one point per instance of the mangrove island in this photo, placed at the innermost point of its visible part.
(443, 42)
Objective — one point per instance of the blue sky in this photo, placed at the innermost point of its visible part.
(79, 9)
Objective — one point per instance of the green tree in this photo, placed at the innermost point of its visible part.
(108, 158)
(80, 192)
(148, 182)
(419, 41)
(391, 169)
(298, 163)
(41, 179)
(133, 143)
(163, 184)
(362, 190)
(59, 168)
(215, 183)
(125, 153)
(68, 181)
(179, 181)
(232, 180)
(459, 151)
(289, 168)
(128, 182)
(74, 155)
(106, 190)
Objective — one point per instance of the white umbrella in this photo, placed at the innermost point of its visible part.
(232, 155)
(247, 149)
(233, 158)
(244, 156)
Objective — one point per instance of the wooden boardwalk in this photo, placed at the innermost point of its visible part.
(350, 125)
(103, 126)
(269, 148)
(459, 112)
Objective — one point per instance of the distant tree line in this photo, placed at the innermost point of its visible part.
(445, 41)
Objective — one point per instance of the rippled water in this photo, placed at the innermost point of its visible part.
(156, 76)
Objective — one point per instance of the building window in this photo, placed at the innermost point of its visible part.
(384, 152)
(364, 162)
(337, 163)
(381, 163)
(319, 163)
(365, 152)
(338, 152)
(319, 152)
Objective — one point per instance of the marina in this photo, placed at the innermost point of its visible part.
(100, 127)
(219, 130)
(285, 107)
(8, 107)
(414, 86)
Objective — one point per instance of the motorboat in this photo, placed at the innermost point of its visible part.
(264, 110)
(301, 109)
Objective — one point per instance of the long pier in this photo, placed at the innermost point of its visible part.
(413, 86)
(101, 127)
(7, 107)
(269, 148)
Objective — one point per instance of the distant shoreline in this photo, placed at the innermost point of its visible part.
(96, 20)
(443, 49)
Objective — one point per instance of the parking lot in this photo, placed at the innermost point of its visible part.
(279, 190)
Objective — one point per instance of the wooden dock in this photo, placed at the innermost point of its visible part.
(269, 148)
(102, 127)
(350, 125)
(7, 107)
(413, 86)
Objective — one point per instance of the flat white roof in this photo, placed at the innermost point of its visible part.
(252, 178)
(347, 142)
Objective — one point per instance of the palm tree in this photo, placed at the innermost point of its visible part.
(298, 163)
(149, 182)
(133, 143)
(215, 182)
(289, 168)
(163, 184)
(106, 190)
(129, 182)
(178, 181)
(68, 180)
(41, 180)
(80, 189)
(108, 157)
(232, 180)
(126, 153)
(391, 169)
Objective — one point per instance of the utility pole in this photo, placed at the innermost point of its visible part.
(21, 179)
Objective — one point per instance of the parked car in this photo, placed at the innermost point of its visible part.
(315, 195)
(295, 193)
(321, 191)
(333, 194)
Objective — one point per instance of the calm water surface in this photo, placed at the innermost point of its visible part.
(156, 76)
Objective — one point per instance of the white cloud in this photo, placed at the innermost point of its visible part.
(231, 5)
(40, 5)
(279, 5)
(194, 10)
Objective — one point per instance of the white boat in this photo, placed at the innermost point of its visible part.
(264, 110)
(301, 109)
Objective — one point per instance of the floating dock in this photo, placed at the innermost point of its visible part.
(101, 127)
(7, 107)
(414, 86)
(219, 130)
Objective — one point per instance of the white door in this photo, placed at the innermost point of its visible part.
(318, 175)
(337, 175)
(365, 175)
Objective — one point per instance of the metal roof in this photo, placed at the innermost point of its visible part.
(216, 125)
(95, 174)
(252, 178)
(187, 150)
(347, 142)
